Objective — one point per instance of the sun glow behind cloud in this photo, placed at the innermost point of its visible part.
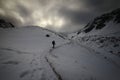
(55, 22)
(45, 20)
(59, 15)
(43, 13)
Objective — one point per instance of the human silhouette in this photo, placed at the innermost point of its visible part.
(53, 43)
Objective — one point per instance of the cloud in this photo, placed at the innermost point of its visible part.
(58, 15)
(24, 12)
(103, 5)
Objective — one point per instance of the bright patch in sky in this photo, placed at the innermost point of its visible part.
(48, 20)
(43, 13)
(60, 15)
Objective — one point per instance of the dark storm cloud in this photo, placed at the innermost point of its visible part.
(77, 17)
(59, 15)
(103, 5)
(10, 19)
(1, 3)
(95, 7)
(24, 12)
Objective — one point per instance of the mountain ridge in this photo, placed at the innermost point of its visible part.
(101, 21)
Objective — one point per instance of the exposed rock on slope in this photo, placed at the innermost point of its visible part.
(5, 24)
(102, 21)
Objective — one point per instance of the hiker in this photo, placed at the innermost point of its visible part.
(53, 43)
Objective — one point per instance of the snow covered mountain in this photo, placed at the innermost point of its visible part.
(108, 22)
(22, 52)
(103, 32)
(102, 36)
(91, 54)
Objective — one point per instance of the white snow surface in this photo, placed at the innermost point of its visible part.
(76, 62)
(27, 54)
(22, 52)
(110, 28)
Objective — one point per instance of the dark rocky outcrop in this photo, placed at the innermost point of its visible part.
(5, 24)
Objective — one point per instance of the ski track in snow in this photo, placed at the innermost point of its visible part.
(91, 52)
(42, 65)
(98, 54)
(37, 63)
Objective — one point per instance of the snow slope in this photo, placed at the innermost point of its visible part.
(22, 52)
(76, 62)
(31, 39)
(93, 53)
(106, 38)
(104, 24)
(27, 54)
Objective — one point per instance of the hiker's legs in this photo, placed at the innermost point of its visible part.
(53, 46)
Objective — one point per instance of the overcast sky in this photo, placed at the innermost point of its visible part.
(58, 15)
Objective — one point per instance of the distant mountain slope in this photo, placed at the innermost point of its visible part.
(22, 53)
(103, 35)
(92, 51)
(28, 38)
(109, 22)
(26, 54)
(5, 24)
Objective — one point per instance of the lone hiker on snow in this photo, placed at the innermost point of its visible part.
(53, 43)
